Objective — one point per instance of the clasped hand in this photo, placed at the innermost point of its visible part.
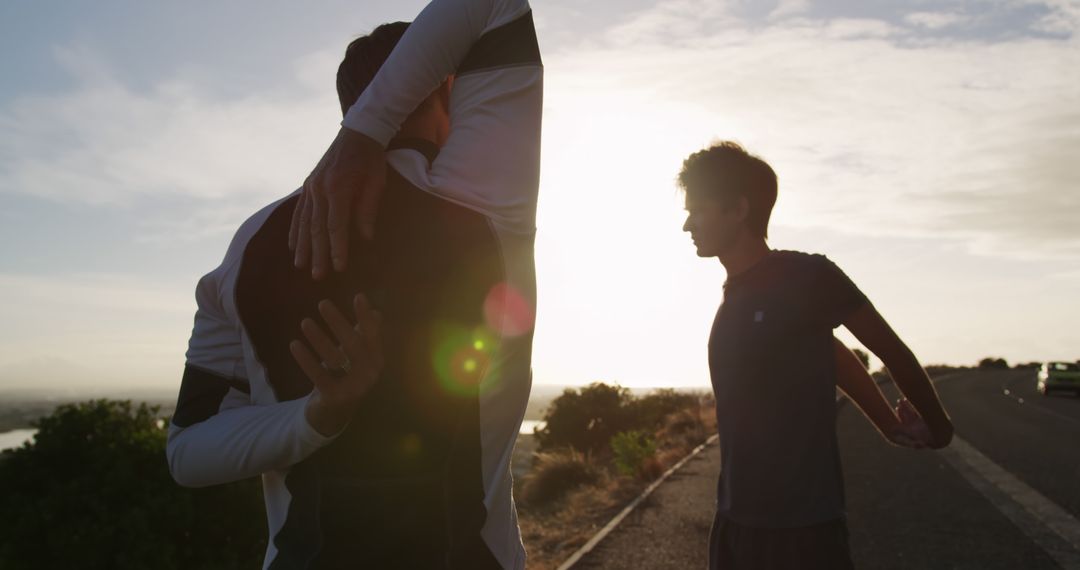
(342, 369)
(911, 431)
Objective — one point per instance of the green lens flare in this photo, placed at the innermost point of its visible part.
(462, 357)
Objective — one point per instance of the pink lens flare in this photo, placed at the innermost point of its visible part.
(507, 311)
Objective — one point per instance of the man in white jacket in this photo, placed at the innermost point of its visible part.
(413, 470)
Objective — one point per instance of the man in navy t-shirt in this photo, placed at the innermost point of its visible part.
(775, 366)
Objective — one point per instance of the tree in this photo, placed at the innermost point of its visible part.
(93, 491)
(586, 419)
(991, 363)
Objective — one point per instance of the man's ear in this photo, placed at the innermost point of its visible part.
(742, 208)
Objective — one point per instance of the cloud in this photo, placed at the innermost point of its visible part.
(119, 328)
(106, 142)
(875, 127)
(934, 20)
(786, 8)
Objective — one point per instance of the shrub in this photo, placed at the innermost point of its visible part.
(684, 429)
(632, 449)
(650, 411)
(554, 474)
(93, 491)
(586, 419)
(990, 363)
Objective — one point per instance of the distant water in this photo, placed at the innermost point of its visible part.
(15, 438)
(527, 426)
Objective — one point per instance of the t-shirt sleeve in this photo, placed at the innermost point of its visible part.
(836, 297)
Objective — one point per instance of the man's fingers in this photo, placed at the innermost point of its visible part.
(303, 233)
(367, 319)
(348, 337)
(294, 225)
(325, 349)
(319, 244)
(308, 363)
(337, 225)
(907, 412)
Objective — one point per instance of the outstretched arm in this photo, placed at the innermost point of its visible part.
(853, 379)
(218, 435)
(348, 180)
(859, 386)
(875, 333)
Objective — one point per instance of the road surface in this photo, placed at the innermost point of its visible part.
(1006, 495)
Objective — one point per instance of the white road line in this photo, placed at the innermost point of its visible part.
(1008, 391)
(1051, 527)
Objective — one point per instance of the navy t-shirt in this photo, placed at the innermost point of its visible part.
(774, 374)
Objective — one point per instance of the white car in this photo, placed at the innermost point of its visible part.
(1057, 376)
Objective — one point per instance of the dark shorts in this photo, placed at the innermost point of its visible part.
(818, 547)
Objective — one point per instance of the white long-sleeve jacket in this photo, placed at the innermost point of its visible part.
(240, 411)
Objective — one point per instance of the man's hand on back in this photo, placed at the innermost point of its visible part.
(347, 182)
(342, 369)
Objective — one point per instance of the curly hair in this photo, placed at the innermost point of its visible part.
(726, 171)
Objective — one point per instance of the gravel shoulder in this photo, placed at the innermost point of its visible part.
(670, 529)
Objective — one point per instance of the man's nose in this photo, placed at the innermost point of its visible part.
(686, 225)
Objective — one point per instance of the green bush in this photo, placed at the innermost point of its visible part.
(554, 474)
(586, 419)
(93, 490)
(632, 449)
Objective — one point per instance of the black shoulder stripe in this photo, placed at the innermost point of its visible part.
(201, 394)
(511, 44)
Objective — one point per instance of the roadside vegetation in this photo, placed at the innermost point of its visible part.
(93, 491)
(600, 446)
(95, 479)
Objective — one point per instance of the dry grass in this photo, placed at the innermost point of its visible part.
(552, 534)
(554, 530)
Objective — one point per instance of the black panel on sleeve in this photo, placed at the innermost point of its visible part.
(201, 394)
(511, 44)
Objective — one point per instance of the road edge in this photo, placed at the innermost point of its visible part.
(614, 522)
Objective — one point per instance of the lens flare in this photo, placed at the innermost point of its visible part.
(462, 358)
(507, 311)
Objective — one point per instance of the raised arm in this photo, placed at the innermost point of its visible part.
(349, 179)
(875, 333)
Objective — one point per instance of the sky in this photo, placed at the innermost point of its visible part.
(931, 149)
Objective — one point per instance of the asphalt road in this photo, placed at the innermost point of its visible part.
(1007, 496)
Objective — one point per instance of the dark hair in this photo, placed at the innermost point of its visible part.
(363, 58)
(727, 172)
